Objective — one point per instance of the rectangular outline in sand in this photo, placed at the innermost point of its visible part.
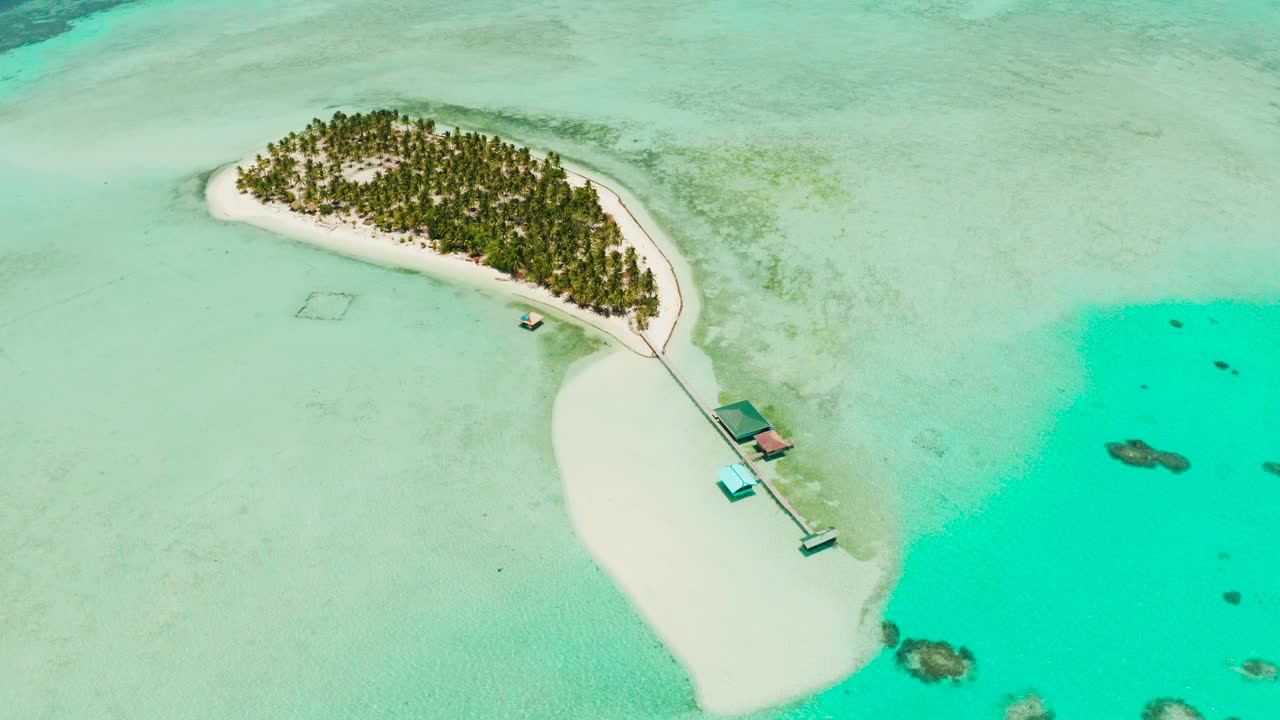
(326, 306)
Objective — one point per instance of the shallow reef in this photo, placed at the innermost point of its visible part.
(1170, 709)
(1140, 454)
(935, 661)
(1028, 707)
(1259, 669)
(1232, 596)
(890, 634)
(1271, 467)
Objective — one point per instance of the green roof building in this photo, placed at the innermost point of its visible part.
(742, 420)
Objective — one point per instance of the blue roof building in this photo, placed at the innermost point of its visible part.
(736, 479)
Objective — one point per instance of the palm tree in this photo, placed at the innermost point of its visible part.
(465, 192)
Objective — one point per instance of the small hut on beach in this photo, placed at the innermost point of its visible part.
(737, 480)
(531, 320)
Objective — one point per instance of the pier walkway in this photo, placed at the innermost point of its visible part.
(746, 458)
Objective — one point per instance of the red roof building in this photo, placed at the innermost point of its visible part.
(772, 444)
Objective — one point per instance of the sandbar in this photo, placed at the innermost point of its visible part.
(723, 584)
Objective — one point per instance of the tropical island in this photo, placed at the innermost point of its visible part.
(383, 176)
(550, 237)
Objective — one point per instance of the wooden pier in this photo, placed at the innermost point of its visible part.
(795, 515)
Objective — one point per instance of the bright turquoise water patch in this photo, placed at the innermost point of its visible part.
(1098, 585)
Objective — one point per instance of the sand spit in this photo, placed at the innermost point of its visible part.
(371, 245)
(724, 584)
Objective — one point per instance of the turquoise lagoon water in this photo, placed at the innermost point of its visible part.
(967, 222)
(216, 508)
(1097, 585)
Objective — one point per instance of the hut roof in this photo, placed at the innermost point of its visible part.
(771, 442)
(736, 478)
(742, 420)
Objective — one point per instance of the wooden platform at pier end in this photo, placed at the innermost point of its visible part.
(746, 459)
(817, 541)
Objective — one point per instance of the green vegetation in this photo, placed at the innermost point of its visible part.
(460, 193)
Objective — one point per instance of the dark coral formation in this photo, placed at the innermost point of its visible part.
(1271, 467)
(935, 661)
(1170, 709)
(890, 633)
(1232, 596)
(1029, 707)
(1176, 323)
(1259, 669)
(1140, 454)
(1220, 365)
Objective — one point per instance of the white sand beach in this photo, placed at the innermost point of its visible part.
(371, 245)
(753, 621)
